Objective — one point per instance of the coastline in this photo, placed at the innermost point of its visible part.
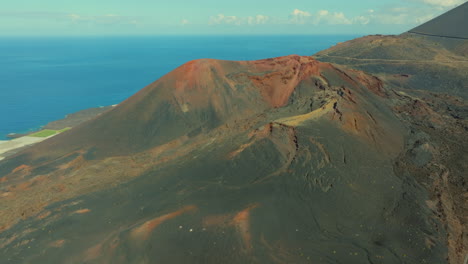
(10, 147)
(20, 141)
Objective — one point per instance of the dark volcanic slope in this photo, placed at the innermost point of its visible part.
(74, 119)
(430, 70)
(285, 160)
(452, 24)
(408, 61)
(423, 59)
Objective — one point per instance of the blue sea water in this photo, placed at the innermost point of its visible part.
(43, 79)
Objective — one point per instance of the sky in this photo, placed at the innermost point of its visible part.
(215, 17)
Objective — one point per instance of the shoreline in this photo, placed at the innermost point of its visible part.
(20, 141)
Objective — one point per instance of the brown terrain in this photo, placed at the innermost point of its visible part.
(429, 65)
(283, 160)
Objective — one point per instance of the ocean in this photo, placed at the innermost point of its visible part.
(44, 78)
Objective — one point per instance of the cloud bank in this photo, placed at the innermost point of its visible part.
(107, 19)
(385, 16)
(443, 3)
(234, 20)
(320, 17)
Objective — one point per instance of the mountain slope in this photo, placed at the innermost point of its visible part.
(197, 96)
(428, 67)
(447, 25)
(408, 61)
(285, 160)
(428, 57)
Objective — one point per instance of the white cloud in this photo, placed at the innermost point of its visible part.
(395, 15)
(74, 18)
(258, 19)
(391, 19)
(363, 20)
(320, 17)
(398, 16)
(423, 19)
(398, 9)
(443, 3)
(108, 19)
(299, 17)
(222, 19)
(33, 15)
(235, 20)
(298, 12)
(336, 18)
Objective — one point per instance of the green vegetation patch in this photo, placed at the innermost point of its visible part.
(63, 129)
(48, 132)
(44, 133)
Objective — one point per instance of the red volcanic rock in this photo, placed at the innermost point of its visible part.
(199, 95)
(284, 74)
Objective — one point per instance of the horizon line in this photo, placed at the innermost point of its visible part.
(195, 35)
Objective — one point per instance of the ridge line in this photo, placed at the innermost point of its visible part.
(433, 35)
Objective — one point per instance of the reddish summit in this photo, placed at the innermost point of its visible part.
(199, 95)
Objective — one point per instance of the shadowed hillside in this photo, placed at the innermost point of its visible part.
(408, 61)
(449, 25)
(428, 61)
(429, 64)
